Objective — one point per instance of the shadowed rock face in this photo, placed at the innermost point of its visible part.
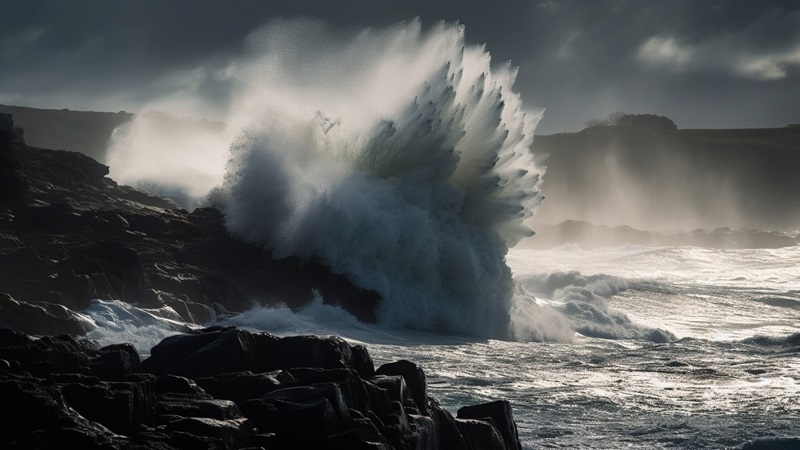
(64, 392)
(69, 234)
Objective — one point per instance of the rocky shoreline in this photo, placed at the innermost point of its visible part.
(226, 388)
(70, 234)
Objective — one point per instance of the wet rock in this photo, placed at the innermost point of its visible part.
(395, 388)
(314, 351)
(221, 350)
(122, 407)
(244, 385)
(173, 384)
(69, 234)
(115, 362)
(501, 416)
(480, 435)
(208, 352)
(44, 318)
(414, 378)
(299, 394)
(36, 416)
(362, 361)
(361, 435)
(305, 424)
(50, 355)
(226, 434)
(189, 407)
(60, 392)
(449, 433)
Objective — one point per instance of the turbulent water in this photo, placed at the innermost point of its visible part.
(400, 159)
(731, 375)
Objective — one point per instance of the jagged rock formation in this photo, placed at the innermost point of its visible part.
(224, 388)
(70, 234)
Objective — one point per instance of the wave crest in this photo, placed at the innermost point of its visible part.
(417, 197)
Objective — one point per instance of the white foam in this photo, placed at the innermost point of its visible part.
(113, 322)
(398, 157)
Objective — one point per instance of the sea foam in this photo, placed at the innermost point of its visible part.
(398, 157)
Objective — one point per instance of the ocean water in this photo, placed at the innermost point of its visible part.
(730, 373)
(403, 159)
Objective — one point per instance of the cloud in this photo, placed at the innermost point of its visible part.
(765, 50)
(578, 59)
(666, 52)
(769, 66)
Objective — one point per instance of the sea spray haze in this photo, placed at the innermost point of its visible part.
(399, 157)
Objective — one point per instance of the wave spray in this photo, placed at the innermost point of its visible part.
(399, 157)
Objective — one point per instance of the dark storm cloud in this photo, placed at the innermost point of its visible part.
(703, 63)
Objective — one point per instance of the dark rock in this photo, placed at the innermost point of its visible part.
(205, 353)
(13, 338)
(189, 311)
(299, 394)
(238, 386)
(353, 388)
(379, 401)
(8, 134)
(450, 436)
(480, 435)
(395, 388)
(414, 378)
(35, 407)
(63, 397)
(501, 416)
(49, 355)
(116, 362)
(396, 423)
(173, 384)
(13, 188)
(305, 424)
(120, 406)
(422, 434)
(189, 407)
(68, 235)
(41, 419)
(229, 434)
(121, 265)
(43, 318)
(360, 434)
(220, 350)
(263, 415)
(314, 351)
(362, 361)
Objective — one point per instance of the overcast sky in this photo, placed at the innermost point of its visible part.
(703, 63)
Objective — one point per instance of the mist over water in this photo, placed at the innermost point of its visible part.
(180, 159)
(398, 157)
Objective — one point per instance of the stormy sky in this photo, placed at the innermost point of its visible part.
(705, 64)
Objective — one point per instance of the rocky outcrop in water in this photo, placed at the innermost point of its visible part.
(225, 388)
(70, 234)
